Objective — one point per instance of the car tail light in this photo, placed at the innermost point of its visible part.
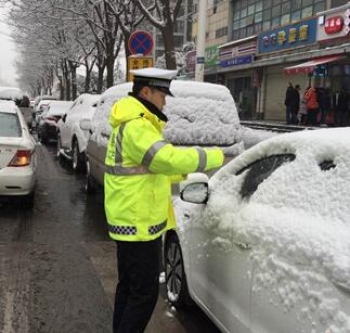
(22, 158)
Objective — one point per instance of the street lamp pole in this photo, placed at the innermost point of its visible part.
(201, 34)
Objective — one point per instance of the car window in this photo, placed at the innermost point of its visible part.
(260, 170)
(10, 125)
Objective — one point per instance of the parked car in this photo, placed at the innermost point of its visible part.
(41, 108)
(18, 160)
(47, 127)
(263, 246)
(40, 103)
(202, 114)
(71, 138)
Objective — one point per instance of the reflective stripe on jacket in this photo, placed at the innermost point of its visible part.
(139, 165)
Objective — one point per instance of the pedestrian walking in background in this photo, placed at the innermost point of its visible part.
(312, 106)
(326, 105)
(292, 102)
(295, 104)
(343, 108)
(140, 165)
(288, 102)
(302, 114)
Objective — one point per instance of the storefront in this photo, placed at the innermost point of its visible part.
(234, 58)
(283, 44)
(334, 30)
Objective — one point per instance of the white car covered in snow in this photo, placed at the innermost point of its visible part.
(72, 139)
(202, 114)
(18, 160)
(263, 246)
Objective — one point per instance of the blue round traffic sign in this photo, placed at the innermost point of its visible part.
(140, 42)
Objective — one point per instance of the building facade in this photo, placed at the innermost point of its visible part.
(270, 43)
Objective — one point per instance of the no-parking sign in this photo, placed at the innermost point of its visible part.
(140, 42)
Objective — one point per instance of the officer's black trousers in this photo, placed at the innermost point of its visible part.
(138, 286)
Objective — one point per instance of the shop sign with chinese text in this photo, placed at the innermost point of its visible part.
(237, 55)
(138, 62)
(291, 36)
(333, 25)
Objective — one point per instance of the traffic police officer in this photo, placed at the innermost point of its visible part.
(139, 166)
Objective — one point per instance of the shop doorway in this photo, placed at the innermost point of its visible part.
(244, 95)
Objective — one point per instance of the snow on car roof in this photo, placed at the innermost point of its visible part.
(200, 113)
(11, 93)
(90, 98)
(8, 107)
(59, 107)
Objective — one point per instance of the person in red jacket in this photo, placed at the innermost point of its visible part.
(312, 106)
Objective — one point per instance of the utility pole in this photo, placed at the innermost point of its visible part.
(201, 34)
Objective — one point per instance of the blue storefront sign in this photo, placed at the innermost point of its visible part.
(242, 60)
(291, 36)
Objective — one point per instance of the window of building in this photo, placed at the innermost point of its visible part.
(266, 14)
(221, 32)
(266, 25)
(286, 7)
(276, 11)
(306, 3)
(295, 4)
(337, 3)
(296, 16)
(179, 26)
(276, 21)
(259, 6)
(243, 23)
(243, 33)
(258, 17)
(251, 9)
(319, 7)
(257, 27)
(306, 12)
(285, 19)
(159, 41)
(250, 20)
(178, 41)
(250, 30)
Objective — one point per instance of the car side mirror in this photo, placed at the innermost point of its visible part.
(197, 193)
(64, 117)
(195, 188)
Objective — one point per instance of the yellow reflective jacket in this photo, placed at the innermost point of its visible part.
(139, 167)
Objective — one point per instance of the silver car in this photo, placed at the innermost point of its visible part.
(202, 114)
(18, 160)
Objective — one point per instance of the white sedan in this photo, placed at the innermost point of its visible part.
(263, 246)
(72, 139)
(18, 160)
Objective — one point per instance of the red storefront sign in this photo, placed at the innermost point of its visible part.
(333, 25)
